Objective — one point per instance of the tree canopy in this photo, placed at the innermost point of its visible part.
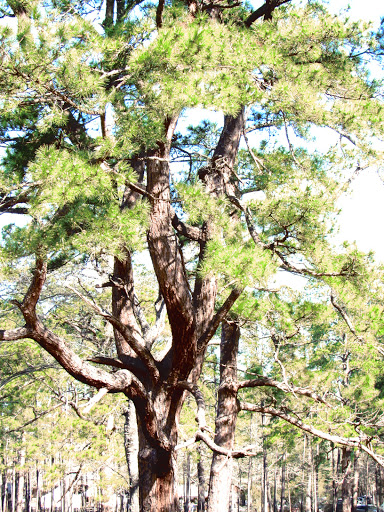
(96, 170)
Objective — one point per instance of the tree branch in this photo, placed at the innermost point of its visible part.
(265, 10)
(284, 415)
(218, 318)
(15, 334)
(133, 339)
(266, 381)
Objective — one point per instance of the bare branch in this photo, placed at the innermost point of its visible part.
(133, 338)
(266, 381)
(93, 401)
(345, 317)
(200, 402)
(357, 442)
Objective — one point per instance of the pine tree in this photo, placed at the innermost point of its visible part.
(93, 161)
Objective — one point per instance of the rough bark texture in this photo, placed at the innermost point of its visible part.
(157, 473)
(227, 410)
(346, 485)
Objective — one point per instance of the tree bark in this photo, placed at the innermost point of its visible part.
(346, 485)
(227, 410)
(131, 445)
(201, 480)
(355, 480)
(157, 475)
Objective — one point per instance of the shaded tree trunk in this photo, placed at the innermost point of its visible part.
(346, 485)
(227, 410)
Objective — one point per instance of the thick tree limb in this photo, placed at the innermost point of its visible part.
(190, 232)
(15, 334)
(218, 318)
(28, 306)
(265, 10)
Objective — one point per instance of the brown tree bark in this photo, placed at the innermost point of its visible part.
(346, 485)
(227, 410)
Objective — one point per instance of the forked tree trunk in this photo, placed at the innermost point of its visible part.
(227, 410)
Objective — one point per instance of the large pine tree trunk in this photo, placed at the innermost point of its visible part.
(157, 475)
(227, 410)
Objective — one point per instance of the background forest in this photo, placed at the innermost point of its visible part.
(178, 319)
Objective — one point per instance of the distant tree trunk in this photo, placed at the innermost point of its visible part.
(346, 486)
(131, 445)
(283, 467)
(187, 481)
(355, 480)
(28, 492)
(249, 482)
(303, 474)
(265, 470)
(227, 410)
(275, 486)
(38, 491)
(308, 495)
(3, 496)
(201, 480)
(335, 472)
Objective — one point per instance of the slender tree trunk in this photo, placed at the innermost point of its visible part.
(4, 493)
(201, 480)
(346, 485)
(303, 474)
(265, 469)
(308, 497)
(227, 410)
(249, 484)
(289, 496)
(355, 480)
(283, 469)
(187, 482)
(335, 473)
(275, 486)
(13, 489)
(131, 445)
